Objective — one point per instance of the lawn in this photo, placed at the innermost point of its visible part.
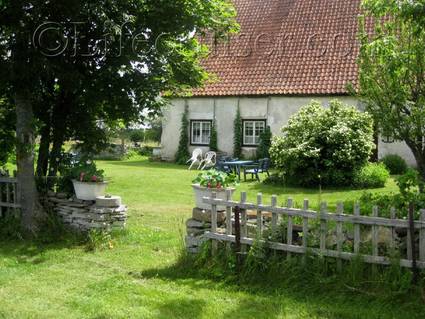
(137, 278)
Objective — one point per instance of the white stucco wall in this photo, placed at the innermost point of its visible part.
(276, 110)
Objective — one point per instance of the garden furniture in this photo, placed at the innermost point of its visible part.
(261, 167)
(209, 160)
(196, 157)
(236, 166)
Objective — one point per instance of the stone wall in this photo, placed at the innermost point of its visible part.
(83, 215)
(197, 226)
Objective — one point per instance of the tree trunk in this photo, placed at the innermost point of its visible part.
(420, 161)
(43, 152)
(27, 191)
(59, 131)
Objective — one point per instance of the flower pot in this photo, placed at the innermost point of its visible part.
(89, 191)
(201, 192)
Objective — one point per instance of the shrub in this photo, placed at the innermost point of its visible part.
(137, 136)
(263, 150)
(395, 164)
(323, 145)
(372, 175)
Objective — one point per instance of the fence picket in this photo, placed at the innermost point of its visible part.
(259, 215)
(289, 227)
(305, 226)
(214, 223)
(409, 244)
(375, 229)
(274, 216)
(229, 226)
(356, 229)
(339, 234)
(393, 234)
(323, 226)
(244, 221)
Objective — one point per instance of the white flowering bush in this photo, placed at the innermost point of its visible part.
(324, 145)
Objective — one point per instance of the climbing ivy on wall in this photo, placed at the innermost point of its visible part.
(183, 154)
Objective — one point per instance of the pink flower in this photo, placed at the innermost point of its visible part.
(82, 174)
(94, 178)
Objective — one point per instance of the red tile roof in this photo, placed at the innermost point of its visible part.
(287, 47)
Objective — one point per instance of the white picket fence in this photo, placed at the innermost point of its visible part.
(323, 217)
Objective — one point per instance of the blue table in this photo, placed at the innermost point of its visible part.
(237, 165)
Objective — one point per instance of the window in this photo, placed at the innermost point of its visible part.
(252, 129)
(200, 132)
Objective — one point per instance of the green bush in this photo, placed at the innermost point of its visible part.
(263, 150)
(323, 145)
(137, 136)
(395, 164)
(372, 175)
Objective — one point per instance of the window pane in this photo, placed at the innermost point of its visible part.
(206, 132)
(196, 132)
(249, 128)
(249, 140)
(201, 132)
(252, 132)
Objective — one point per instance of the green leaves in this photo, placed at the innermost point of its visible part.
(392, 70)
(324, 145)
(215, 179)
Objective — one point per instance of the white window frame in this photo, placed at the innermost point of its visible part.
(254, 128)
(202, 123)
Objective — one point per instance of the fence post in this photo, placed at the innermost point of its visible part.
(238, 238)
(356, 229)
(290, 227)
(413, 242)
(214, 223)
(422, 237)
(339, 236)
(259, 215)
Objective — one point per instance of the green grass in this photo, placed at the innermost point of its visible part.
(138, 277)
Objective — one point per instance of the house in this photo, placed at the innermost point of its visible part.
(287, 53)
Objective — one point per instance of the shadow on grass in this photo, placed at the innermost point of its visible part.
(147, 164)
(271, 299)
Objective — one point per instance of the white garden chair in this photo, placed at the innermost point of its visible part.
(196, 157)
(209, 161)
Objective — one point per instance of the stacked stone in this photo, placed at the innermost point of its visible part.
(102, 214)
(198, 225)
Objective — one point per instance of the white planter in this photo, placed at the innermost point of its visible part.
(89, 191)
(201, 192)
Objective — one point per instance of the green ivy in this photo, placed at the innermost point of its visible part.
(238, 135)
(214, 139)
(263, 150)
(183, 154)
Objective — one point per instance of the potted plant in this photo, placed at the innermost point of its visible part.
(88, 181)
(212, 181)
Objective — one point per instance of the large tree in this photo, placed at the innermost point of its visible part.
(75, 64)
(392, 70)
